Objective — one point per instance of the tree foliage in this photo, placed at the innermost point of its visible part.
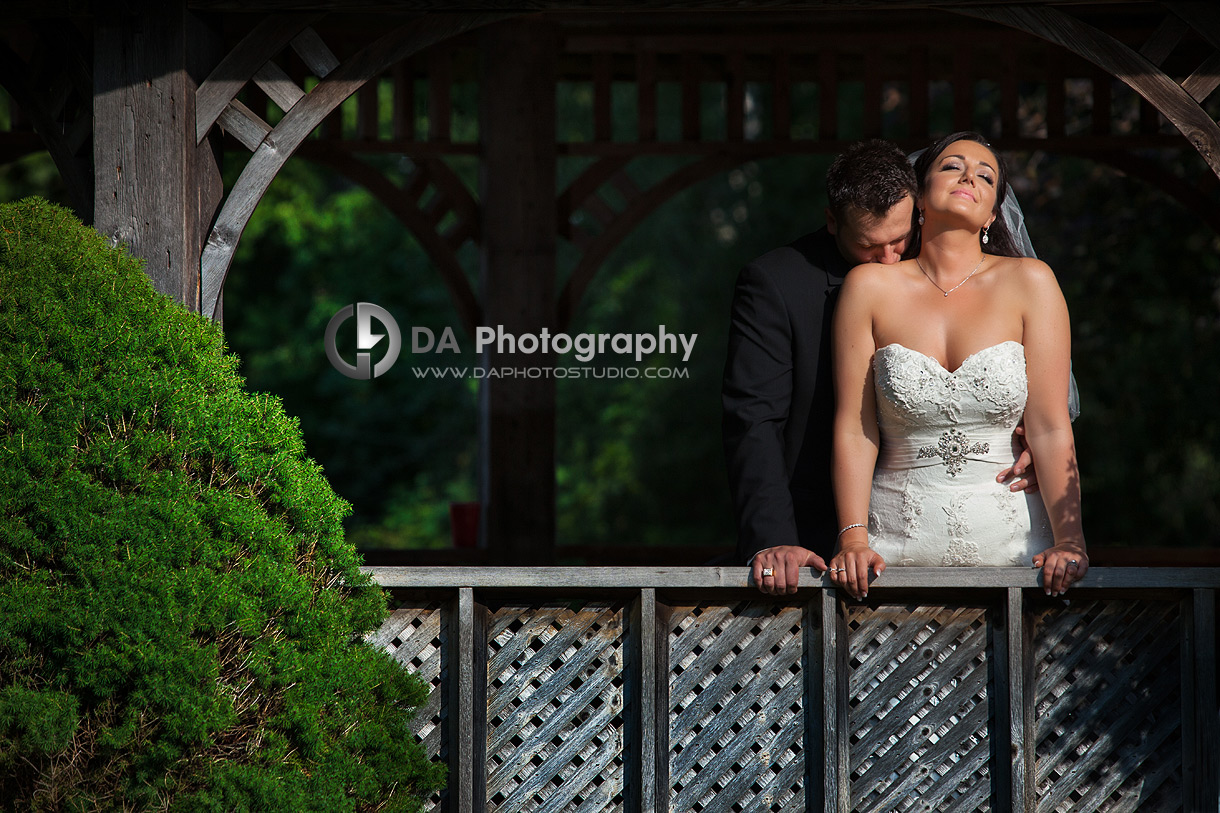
(179, 610)
(397, 447)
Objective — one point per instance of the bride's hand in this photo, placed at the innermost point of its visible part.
(850, 567)
(1062, 566)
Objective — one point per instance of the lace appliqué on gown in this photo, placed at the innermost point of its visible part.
(945, 436)
(961, 551)
(912, 510)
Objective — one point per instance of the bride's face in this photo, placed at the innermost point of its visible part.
(961, 183)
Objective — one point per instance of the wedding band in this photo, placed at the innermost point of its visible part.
(768, 571)
(1072, 561)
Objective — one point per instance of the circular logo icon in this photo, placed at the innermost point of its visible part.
(364, 312)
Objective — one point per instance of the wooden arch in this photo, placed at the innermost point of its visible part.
(450, 196)
(1140, 70)
(1179, 102)
(272, 146)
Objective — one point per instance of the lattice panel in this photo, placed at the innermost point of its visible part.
(555, 708)
(415, 636)
(736, 708)
(1108, 713)
(919, 682)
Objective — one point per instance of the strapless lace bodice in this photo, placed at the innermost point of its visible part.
(945, 435)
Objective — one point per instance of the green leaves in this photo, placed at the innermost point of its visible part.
(169, 630)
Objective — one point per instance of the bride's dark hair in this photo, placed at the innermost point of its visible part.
(1000, 240)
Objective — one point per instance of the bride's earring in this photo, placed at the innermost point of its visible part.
(985, 238)
(921, 218)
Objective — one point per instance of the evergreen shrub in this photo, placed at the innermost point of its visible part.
(180, 615)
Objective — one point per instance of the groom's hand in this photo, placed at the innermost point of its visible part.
(777, 571)
(1020, 475)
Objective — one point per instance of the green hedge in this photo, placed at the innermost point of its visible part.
(180, 616)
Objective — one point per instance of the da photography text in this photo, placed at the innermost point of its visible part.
(583, 347)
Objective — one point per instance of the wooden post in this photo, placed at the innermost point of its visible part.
(467, 704)
(1199, 738)
(517, 278)
(1016, 699)
(835, 778)
(647, 719)
(155, 190)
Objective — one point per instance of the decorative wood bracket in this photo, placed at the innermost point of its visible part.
(272, 146)
(581, 201)
(1139, 70)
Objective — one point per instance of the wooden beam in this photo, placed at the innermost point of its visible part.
(691, 102)
(706, 578)
(278, 86)
(401, 6)
(1010, 119)
(315, 53)
(156, 188)
(919, 92)
(1120, 61)
(440, 81)
(603, 127)
(781, 96)
(517, 112)
(872, 99)
(404, 101)
(1056, 96)
(1204, 80)
(648, 719)
(646, 96)
(735, 98)
(828, 95)
(1203, 755)
(1102, 103)
(1203, 17)
(244, 124)
(1160, 44)
(963, 89)
(368, 104)
(240, 65)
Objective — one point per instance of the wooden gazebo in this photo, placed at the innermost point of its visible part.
(138, 100)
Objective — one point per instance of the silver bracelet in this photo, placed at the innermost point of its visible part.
(849, 527)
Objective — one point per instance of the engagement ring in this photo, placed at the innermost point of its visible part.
(1071, 562)
(767, 571)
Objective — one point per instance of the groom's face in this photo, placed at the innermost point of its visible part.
(866, 238)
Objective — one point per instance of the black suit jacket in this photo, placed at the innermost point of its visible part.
(779, 398)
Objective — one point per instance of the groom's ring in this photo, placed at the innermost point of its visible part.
(768, 571)
(1071, 562)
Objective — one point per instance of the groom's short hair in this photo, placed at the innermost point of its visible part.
(872, 175)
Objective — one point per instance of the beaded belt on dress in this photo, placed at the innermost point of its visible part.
(950, 448)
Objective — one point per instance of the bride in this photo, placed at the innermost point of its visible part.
(936, 360)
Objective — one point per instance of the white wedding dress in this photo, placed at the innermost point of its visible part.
(944, 438)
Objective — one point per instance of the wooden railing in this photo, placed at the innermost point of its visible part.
(685, 689)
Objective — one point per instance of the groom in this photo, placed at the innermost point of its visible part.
(777, 393)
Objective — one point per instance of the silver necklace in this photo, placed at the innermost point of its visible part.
(955, 287)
